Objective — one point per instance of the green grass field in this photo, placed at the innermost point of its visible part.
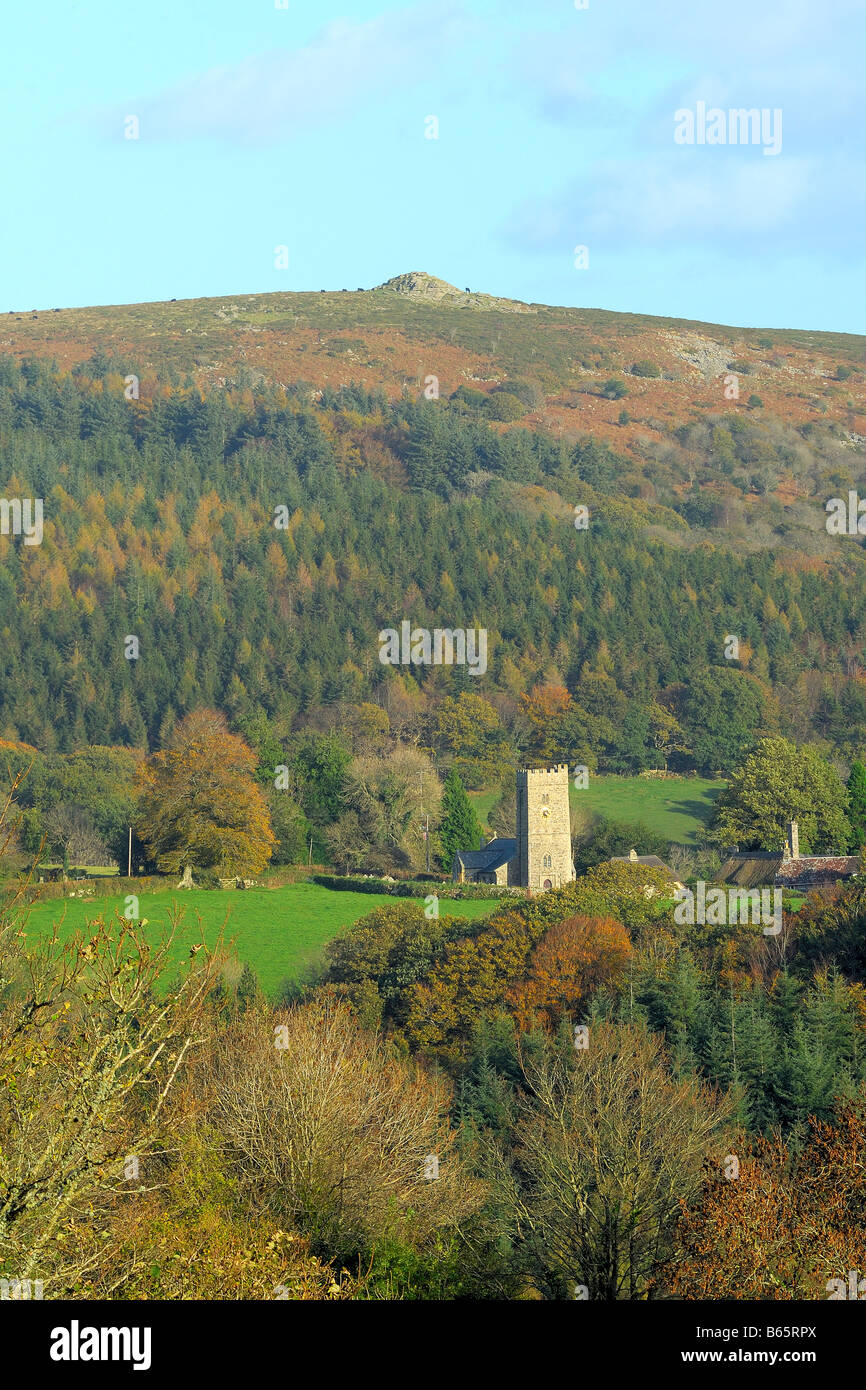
(677, 807)
(278, 930)
(483, 803)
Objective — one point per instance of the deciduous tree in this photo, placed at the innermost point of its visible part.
(572, 959)
(777, 783)
(331, 1130)
(200, 805)
(606, 1147)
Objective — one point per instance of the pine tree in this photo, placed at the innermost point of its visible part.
(459, 828)
(857, 804)
(248, 988)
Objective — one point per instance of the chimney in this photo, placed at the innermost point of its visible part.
(793, 845)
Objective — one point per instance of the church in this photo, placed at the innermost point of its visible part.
(540, 856)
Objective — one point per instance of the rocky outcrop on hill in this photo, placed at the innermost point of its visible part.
(418, 285)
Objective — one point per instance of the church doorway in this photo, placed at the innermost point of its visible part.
(547, 884)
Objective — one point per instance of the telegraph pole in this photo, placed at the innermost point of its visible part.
(426, 829)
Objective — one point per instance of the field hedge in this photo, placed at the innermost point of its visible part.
(413, 888)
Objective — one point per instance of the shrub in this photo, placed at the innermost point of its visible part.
(331, 1132)
(526, 391)
(501, 405)
(467, 395)
(413, 888)
(791, 1224)
(614, 389)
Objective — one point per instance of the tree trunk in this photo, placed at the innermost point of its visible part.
(186, 881)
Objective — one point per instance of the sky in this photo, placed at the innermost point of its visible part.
(311, 128)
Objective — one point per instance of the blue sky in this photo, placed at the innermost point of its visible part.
(305, 127)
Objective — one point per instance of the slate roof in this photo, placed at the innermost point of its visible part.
(816, 870)
(492, 856)
(756, 869)
(752, 870)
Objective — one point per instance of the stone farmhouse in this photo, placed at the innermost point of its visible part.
(788, 868)
(652, 861)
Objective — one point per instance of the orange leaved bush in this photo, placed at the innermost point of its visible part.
(572, 959)
(787, 1226)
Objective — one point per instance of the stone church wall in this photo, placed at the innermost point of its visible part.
(544, 856)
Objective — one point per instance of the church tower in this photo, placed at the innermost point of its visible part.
(544, 858)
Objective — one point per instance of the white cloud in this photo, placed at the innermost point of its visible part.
(601, 67)
(269, 96)
(738, 30)
(731, 198)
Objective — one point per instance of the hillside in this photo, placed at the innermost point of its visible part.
(253, 488)
(393, 336)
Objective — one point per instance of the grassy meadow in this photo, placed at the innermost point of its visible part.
(278, 930)
(677, 807)
(281, 930)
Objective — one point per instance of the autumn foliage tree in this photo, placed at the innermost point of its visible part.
(541, 711)
(472, 975)
(200, 806)
(786, 1226)
(573, 958)
(468, 730)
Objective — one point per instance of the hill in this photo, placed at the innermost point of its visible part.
(253, 487)
(675, 807)
(395, 335)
